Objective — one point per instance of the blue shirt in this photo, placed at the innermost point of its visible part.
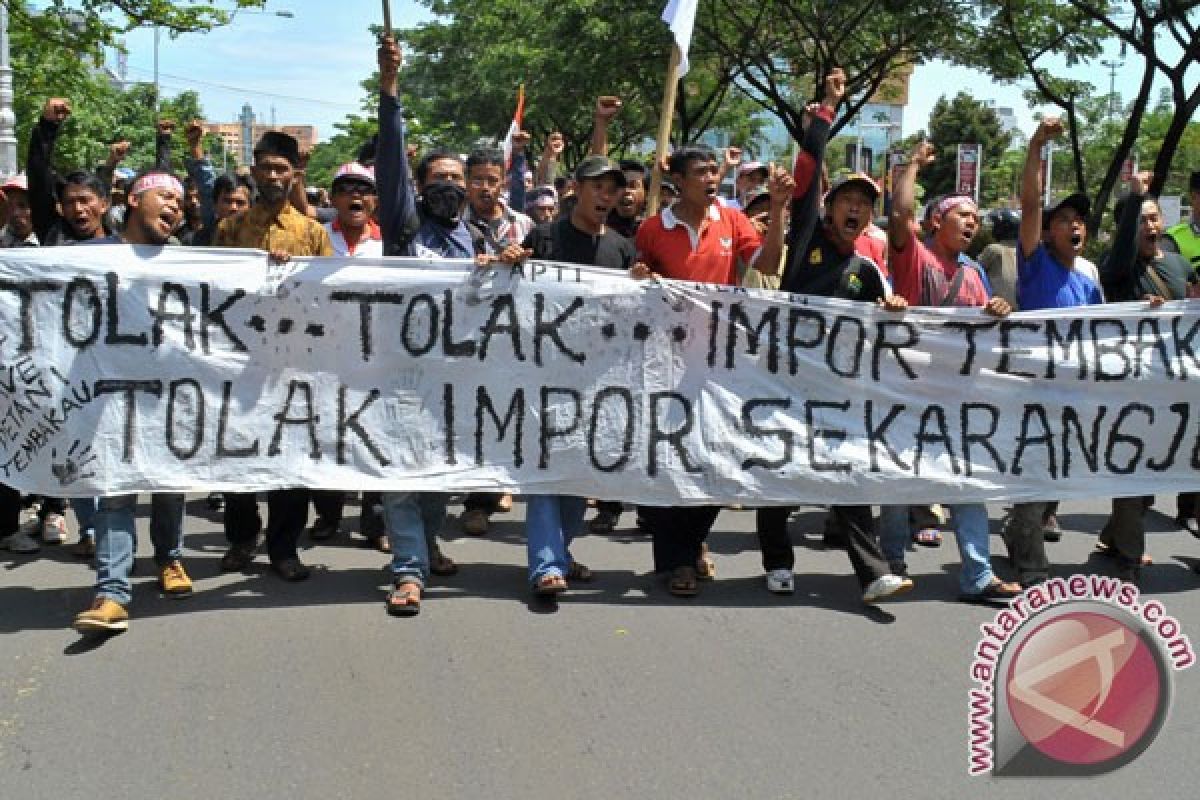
(1044, 283)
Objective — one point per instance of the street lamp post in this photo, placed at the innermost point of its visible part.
(8, 118)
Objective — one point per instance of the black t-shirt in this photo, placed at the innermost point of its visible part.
(822, 271)
(561, 241)
(626, 226)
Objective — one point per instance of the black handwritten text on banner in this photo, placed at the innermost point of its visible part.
(139, 369)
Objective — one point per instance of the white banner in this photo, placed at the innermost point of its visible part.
(179, 369)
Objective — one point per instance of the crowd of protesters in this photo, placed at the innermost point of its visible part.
(793, 230)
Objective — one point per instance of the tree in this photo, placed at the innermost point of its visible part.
(965, 120)
(91, 25)
(464, 69)
(1018, 37)
(59, 53)
(782, 48)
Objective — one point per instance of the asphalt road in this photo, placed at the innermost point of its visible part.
(254, 688)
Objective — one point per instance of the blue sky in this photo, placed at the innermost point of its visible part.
(307, 67)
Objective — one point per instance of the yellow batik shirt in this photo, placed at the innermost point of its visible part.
(288, 230)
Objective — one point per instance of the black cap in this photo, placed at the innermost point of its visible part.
(859, 179)
(277, 143)
(599, 167)
(1076, 200)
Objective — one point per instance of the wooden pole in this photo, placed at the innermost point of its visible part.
(664, 130)
(387, 17)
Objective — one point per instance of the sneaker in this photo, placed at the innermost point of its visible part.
(105, 616)
(1051, 530)
(20, 542)
(174, 580)
(54, 529)
(781, 581)
(886, 587)
(84, 548)
(475, 522)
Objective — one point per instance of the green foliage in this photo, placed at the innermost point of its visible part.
(85, 27)
(464, 69)
(965, 120)
(58, 52)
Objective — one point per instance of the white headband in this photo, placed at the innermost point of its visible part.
(157, 180)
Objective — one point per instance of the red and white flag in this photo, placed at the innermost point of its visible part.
(515, 128)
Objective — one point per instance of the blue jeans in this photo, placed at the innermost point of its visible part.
(970, 521)
(552, 521)
(412, 519)
(112, 518)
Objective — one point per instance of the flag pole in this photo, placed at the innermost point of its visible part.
(664, 130)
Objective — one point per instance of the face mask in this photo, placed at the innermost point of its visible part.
(442, 202)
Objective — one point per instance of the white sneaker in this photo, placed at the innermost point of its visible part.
(886, 587)
(780, 581)
(21, 542)
(54, 529)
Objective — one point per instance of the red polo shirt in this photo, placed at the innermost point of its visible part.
(674, 250)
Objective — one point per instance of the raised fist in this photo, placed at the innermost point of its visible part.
(117, 152)
(924, 154)
(607, 107)
(555, 144)
(733, 156)
(166, 127)
(835, 87)
(56, 110)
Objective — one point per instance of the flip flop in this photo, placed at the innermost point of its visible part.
(550, 585)
(404, 600)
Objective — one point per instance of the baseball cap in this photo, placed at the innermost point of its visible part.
(860, 179)
(353, 171)
(751, 166)
(599, 167)
(1075, 200)
(18, 181)
(542, 197)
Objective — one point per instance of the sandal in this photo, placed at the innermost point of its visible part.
(579, 572)
(404, 600)
(928, 537)
(550, 585)
(1105, 549)
(706, 568)
(997, 591)
(682, 582)
(442, 565)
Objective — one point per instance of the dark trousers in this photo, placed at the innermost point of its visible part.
(1125, 531)
(774, 541)
(610, 506)
(242, 520)
(1026, 542)
(858, 524)
(287, 517)
(10, 510)
(330, 505)
(677, 533)
(482, 501)
(1185, 504)
(370, 518)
